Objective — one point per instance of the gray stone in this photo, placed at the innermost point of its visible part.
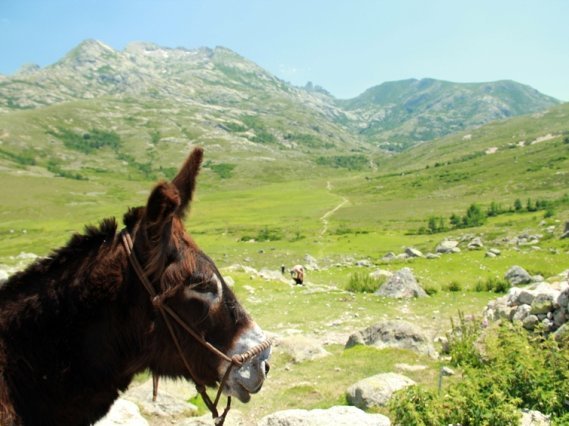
(534, 418)
(530, 322)
(490, 255)
(171, 402)
(389, 256)
(517, 275)
(475, 244)
(433, 255)
(413, 252)
(526, 297)
(310, 263)
(302, 348)
(376, 391)
(562, 332)
(522, 313)
(337, 416)
(447, 246)
(560, 317)
(123, 413)
(402, 285)
(364, 263)
(544, 302)
(394, 334)
(495, 251)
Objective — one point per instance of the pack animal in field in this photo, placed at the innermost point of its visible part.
(297, 274)
(75, 327)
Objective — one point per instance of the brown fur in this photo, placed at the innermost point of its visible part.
(75, 327)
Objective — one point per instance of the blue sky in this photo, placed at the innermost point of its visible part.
(344, 46)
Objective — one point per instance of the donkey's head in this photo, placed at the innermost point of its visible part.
(189, 283)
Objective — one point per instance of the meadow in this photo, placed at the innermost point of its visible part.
(336, 216)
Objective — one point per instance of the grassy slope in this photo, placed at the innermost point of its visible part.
(38, 212)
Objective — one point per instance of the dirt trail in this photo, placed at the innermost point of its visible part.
(326, 216)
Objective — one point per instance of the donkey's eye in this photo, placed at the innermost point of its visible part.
(208, 291)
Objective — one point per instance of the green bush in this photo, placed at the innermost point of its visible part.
(87, 142)
(454, 286)
(350, 162)
(223, 170)
(361, 282)
(264, 234)
(517, 370)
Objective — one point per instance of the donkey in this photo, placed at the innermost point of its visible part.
(75, 327)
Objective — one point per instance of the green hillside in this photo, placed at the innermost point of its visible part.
(399, 114)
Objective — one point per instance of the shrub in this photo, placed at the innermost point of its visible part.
(497, 285)
(454, 286)
(264, 234)
(88, 142)
(518, 370)
(223, 170)
(361, 282)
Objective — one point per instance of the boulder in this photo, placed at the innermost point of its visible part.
(123, 413)
(338, 416)
(544, 302)
(388, 256)
(376, 391)
(413, 252)
(364, 263)
(171, 402)
(402, 285)
(562, 332)
(301, 348)
(310, 263)
(530, 322)
(394, 334)
(522, 313)
(517, 275)
(475, 244)
(447, 246)
(565, 231)
(534, 418)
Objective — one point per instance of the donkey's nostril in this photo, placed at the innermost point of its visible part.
(267, 368)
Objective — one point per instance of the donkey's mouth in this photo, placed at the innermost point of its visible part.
(241, 393)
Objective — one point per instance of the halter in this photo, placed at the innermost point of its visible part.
(167, 314)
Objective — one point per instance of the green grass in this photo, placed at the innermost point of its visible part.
(281, 199)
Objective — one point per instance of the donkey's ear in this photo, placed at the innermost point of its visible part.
(163, 202)
(185, 180)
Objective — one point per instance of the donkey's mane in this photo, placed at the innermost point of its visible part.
(78, 247)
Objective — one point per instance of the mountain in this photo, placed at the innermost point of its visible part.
(399, 114)
(102, 108)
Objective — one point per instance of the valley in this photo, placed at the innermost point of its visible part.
(291, 175)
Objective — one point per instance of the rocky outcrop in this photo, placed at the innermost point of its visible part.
(394, 334)
(337, 416)
(376, 391)
(542, 304)
(402, 285)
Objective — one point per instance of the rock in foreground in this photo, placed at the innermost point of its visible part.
(337, 416)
